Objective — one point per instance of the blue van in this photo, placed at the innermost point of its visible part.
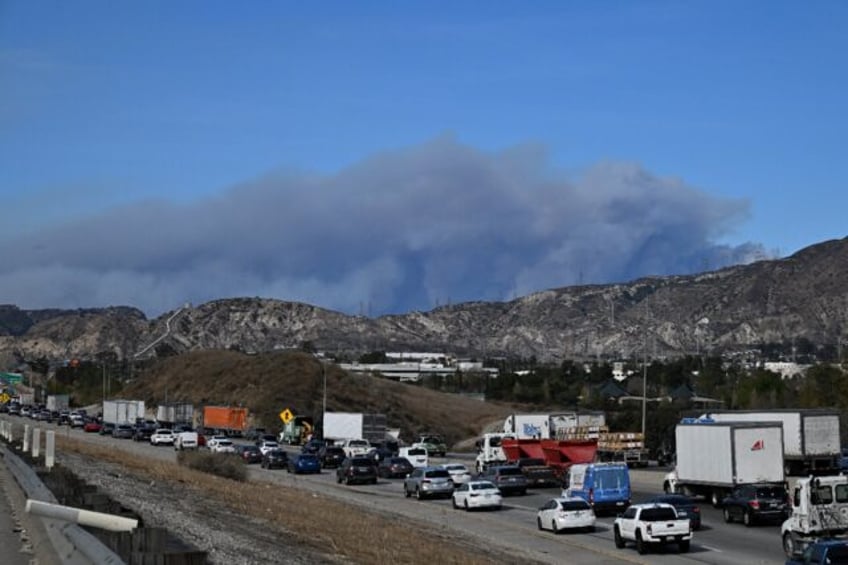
(606, 486)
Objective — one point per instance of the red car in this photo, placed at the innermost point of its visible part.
(91, 426)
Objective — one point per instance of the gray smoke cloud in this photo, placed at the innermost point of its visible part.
(404, 230)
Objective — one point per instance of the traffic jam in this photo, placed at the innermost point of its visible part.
(562, 482)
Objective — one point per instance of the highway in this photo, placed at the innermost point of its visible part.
(514, 526)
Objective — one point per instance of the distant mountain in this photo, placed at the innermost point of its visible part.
(802, 297)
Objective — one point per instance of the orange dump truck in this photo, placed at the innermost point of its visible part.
(228, 419)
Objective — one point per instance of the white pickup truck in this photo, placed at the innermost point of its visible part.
(652, 524)
(354, 447)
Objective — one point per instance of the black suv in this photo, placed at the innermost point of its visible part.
(756, 503)
(331, 456)
(357, 470)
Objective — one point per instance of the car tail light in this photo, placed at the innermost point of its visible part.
(755, 504)
(696, 510)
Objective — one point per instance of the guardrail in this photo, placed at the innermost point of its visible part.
(73, 545)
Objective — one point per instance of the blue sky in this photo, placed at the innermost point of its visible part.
(375, 157)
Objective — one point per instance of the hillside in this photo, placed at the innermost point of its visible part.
(268, 383)
(794, 300)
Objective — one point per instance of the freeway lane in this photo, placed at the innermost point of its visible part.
(514, 527)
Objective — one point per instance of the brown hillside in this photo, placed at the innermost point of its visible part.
(268, 383)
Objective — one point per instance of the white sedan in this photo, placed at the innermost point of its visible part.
(458, 472)
(223, 446)
(162, 437)
(267, 445)
(566, 513)
(477, 494)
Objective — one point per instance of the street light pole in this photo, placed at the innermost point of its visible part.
(644, 387)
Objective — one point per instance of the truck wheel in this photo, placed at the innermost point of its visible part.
(747, 519)
(641, 546)
(727, 517)
(790, 548)
(683, 545)
(619, 541)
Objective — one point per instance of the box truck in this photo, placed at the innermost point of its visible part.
(811, 439)
(174, 414)
(713, 458)
(123, 412)
(229, 420)
(57, 402)
(354, 425)
(555, 425)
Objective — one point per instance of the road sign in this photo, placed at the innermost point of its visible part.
(286, 416)
(11, 378)
(4, 398)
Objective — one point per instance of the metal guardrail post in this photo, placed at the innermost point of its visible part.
(36, 442)
(50, 449)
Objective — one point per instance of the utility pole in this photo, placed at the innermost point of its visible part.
(644, 386)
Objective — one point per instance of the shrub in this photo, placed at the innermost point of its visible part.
(225, 465)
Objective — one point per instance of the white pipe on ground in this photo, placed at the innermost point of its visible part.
(82, 517)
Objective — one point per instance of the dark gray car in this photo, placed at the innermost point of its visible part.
(509, 479)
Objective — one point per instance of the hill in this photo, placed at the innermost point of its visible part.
(796, 300)
(268, 383)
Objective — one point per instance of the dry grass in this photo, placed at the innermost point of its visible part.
(360, 535)
(229, 466)
(268, 383)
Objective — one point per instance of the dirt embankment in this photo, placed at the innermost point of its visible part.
(268, 383)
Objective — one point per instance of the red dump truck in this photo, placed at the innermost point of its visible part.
(229, 420)
(557, 455)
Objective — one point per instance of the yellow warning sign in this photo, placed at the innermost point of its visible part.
(4, 398)
(286, 416)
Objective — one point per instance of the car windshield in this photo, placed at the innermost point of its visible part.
(360, 461)
(510, 471)
(482, 486)
(658, 514)
(838, 554)
(676, 499)
(437, 473)
(611, 478)
(575, 505)
(532, 461)
(770, 492)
